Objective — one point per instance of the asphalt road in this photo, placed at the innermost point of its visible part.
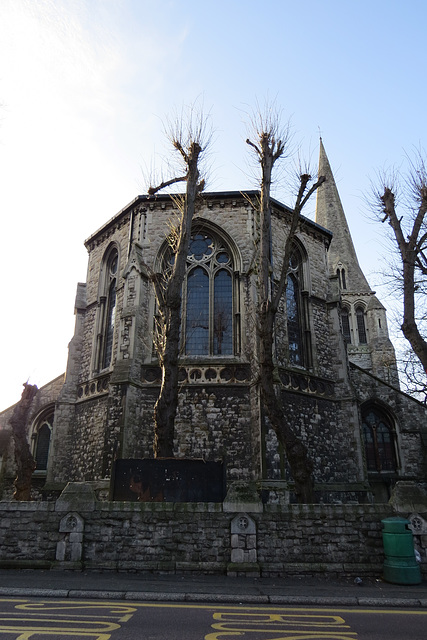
(37, 619)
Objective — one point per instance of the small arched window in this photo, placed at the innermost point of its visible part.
(346, 327)
(41, 440)
(341, 278)
(361, 328)
(378, 437)
(293, 309)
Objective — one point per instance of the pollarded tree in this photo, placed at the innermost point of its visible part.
(189, 137)
(25, 463)
(270, 144)
(401, 200)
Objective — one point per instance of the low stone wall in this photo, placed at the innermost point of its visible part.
(194, 537)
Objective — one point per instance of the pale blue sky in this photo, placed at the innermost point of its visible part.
(86, 84)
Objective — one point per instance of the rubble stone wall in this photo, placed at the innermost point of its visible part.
(194, 537)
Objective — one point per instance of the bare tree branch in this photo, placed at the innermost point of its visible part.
(408, 231)
(270, 146)
(153, 190)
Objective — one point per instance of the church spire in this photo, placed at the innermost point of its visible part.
(342, 256)
(363, 317)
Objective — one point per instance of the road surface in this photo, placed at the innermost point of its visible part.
(38, 619)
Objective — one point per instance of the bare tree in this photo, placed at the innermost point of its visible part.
(271, 144)
(401, 199)
(190, 138)
(412, 375)
(25, 463)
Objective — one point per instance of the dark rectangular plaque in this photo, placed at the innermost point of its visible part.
(168, 480)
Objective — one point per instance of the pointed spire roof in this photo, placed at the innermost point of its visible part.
(330, 214)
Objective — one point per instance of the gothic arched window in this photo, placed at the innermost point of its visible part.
(341, 278)
(378, 437)
(361, 328)
(293, 308)
(208, 317)
(106, 311)
(41, 440)
(346, 328)
(110, 317)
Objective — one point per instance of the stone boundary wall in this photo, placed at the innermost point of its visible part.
(194, 537)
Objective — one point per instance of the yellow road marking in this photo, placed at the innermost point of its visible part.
(95, 620)
(66, 606)
(209, 607)
(86, 625)
(280, 618)
(28, 633)
(286, 625)
(311, 635)
(213, 605)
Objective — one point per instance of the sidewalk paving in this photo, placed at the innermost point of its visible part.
(324, 591)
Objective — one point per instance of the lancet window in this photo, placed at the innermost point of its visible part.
(342, 278)
(361, 327)
(345, 322)
(106, 317)
(41, 437)
(294, 310)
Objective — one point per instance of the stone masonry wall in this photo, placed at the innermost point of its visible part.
(296, 539)
(409, 416)
(323, 427)
(212, 422)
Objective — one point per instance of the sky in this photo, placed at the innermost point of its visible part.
(86, 87)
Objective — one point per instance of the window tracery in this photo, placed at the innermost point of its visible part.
(210, 318)
(41, 437)
(378, 435)
(107, 311)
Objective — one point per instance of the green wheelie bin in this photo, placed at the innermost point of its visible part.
(400, 565)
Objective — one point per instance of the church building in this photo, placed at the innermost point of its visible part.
(336, 365)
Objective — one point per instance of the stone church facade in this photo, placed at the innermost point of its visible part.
(336, 367)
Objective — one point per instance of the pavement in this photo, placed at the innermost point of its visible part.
(303, 591)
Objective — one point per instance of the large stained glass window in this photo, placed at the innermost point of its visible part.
(208, 299)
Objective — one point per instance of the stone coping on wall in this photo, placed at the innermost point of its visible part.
(380, 509)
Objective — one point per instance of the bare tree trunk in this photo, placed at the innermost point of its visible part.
(409, 325)
(269, 148)
(25, 463)
(169, 300)
(411, 249)
(296, 452)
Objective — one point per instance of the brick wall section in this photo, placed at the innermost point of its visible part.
(292, 540)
